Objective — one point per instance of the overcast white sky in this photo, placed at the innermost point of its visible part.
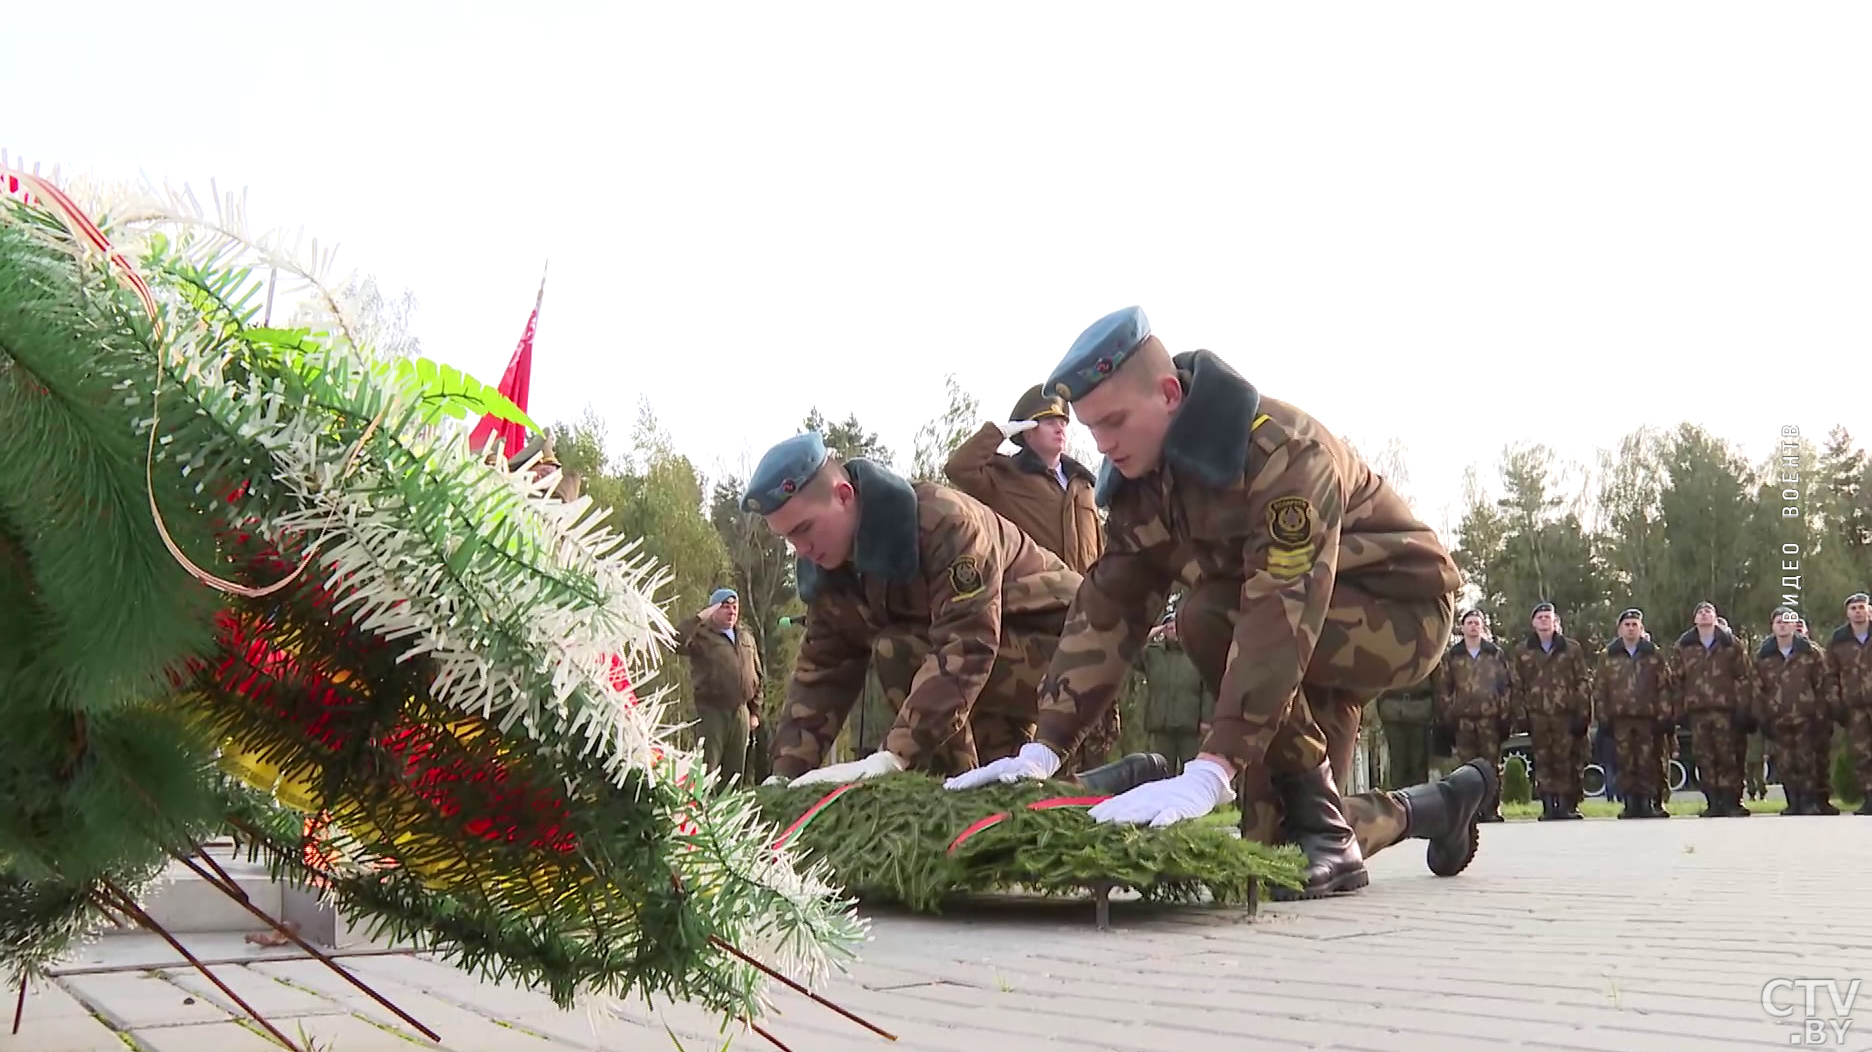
(1405, 218)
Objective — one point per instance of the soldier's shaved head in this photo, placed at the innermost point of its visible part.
(1130, 414)
(821, 521)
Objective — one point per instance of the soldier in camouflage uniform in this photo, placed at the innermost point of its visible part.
(1311, 588)
(1849, 687)
(959, 610)
(1472, 697)
(1791, 675)
(1551, 688)
(1177, 704)
(1716, 682)
(1634, 688)
(1045, 493)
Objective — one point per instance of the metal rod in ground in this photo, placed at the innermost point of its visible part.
(135, 912)
(799, 989)
(1254, 897)
(777, 1043)
(19, 1007)
(1101, 905)
(309, 948)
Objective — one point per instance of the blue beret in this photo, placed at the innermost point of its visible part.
(722, 595)
(1098, 352)
(784, 471)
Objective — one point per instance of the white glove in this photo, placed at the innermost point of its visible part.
(881, 762)
(1015, 427)
(1033, 761)
(1202, 787)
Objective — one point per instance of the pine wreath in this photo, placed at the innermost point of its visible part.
(905, 839)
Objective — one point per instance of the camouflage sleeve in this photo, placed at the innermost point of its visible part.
(827, 676)
(970, 467)
(1296, 512)
(1834, 679)
(1582, 676)
(1517, 694)
(1105, 630)
(1444, 688)
(962, 571)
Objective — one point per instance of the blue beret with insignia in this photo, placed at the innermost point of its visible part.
(784, 471)
(722, 595)
(1098, 352)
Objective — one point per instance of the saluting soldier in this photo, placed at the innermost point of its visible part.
(1634, 689)
(725, 674)
(1717, 685)
(959, 611)
(1849, 686)
(1311, 588)
(1472, 696)
(1552, 695)
(1792, 684)
(1047, 494)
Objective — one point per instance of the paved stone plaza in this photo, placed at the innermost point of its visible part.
(1600, 935)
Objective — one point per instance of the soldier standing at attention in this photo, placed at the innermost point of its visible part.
(1472, 695)
(1311, 588)
(1045, 493)
(1176, 704)
(1849, 685)
(1634, 689)
(1552, 691)
(1717, 684)
(959, 610)
(1792, 682)
(725, 673)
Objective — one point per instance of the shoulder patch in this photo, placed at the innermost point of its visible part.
(1290, 521)
(965, 578)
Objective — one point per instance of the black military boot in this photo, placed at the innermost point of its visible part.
(1737, 809)
(1823, 804)
(1569, 808)
(1865, 806)
(1444, 813)
(1549, 808)
(1125, 774)
(1633, 809)
(1797, 805)
(1315, 821)
(1714, 805)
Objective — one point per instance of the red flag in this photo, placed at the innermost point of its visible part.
(515, 383)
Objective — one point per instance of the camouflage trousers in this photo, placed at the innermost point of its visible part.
(1096, 747)
(1635, 744)
(1799, 747)
(1558, 768)
(1368, 645)
(1003, 717)
(1859, 746)
(724, 734)
(1479, 739)
(1718, 746)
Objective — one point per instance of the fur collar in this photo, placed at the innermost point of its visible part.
(1028, 462)
(1771, 647)
(1844, 633)
(886, 545)
(1559, 642)
(1724, 638)
(1487, 647)
(1209, 438)
(1617, 647)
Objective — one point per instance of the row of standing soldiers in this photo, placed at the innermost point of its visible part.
(1789, 689)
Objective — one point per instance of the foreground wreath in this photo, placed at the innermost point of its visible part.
(903, 839)
(252, 551)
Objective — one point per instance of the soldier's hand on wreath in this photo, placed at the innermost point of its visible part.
(1034, 761)
(1015, 427)
(1202, 787)
(878, 763)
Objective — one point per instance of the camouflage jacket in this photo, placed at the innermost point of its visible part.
(1792, 687)
(1849, 671)
(1063, 520)
(931, 560)
(1174, 696)
(1555, 682)
(1716, 678)
(1634, 686)
(1255, 494)
(1472, 688)
(725, 673)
